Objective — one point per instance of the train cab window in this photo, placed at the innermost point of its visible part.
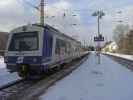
(24, 41)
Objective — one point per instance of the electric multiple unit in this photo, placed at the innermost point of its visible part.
(34, 49)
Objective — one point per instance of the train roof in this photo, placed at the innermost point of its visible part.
(57, 31)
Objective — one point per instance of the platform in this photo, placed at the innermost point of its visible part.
(91, 81)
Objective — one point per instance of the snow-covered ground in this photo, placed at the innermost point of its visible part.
(5, 76)
(107, 81)
(130, 57)
(2, 64)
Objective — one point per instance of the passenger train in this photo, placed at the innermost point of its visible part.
(34, 49)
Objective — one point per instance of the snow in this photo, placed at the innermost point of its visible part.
(5, 76)
(91, 81)
(129, 57)
(2, 64)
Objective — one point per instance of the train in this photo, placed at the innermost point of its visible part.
(34, 49)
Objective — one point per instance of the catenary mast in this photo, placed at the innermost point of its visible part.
(42, 12)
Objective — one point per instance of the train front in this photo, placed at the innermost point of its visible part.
(23, 53)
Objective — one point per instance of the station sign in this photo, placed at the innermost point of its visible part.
(98, 38)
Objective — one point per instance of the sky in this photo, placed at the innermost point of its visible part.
(14, 13)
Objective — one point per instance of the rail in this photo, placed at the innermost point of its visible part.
(124, 61)
(10, 84)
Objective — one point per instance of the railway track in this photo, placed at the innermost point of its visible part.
(126, 62)
(29, 89)
(13, 88)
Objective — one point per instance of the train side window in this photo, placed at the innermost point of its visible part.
(57, 49)
(68, 48)
(61, 47)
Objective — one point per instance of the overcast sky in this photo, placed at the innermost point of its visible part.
(15, 13)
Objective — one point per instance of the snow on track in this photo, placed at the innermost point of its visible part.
(107, 81)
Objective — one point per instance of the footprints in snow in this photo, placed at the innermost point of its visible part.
(95, 72)
(98, 73)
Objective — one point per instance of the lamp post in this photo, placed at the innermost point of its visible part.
(99, 14)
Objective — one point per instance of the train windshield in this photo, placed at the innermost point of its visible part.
(26, 41)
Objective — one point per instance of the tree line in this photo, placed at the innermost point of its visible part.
(123, 36)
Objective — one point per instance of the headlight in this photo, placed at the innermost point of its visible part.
(34, 60)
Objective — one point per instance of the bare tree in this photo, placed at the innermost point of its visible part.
(120, 34)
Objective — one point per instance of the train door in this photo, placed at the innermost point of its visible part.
(47, 44)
